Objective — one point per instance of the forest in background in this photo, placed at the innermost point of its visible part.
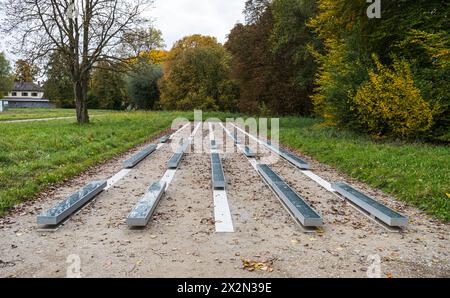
(387, 77)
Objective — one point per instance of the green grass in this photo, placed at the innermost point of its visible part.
(23, 114)
(415, 173)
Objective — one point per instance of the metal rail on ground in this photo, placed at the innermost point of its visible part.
(71, 204)
(307, 216)
(141, 214)
(222, 213)
(371, 206)
(256, 166)
(138, 157)
(329, 187)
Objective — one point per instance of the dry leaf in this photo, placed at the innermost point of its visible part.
(251, 265)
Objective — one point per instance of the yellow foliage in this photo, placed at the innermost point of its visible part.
(152, 57)
(330, 63)
(155, 56)
(435, 44)
(390, 104)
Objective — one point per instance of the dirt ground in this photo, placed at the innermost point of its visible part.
(180, 240)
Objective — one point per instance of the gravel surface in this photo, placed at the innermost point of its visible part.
(181, 241)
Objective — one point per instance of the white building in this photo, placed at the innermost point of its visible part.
(27, 95)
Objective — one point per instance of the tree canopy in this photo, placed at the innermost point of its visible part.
(5, 75)
(196, 76)
(385, 76)
(295, 55)
(58, 85)
(25, 72)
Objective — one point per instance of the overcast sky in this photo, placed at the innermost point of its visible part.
(178, 18)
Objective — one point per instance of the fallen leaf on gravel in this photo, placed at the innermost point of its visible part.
(389, 275)
(312, 239)
(208, 221)
(251, 266)
(294, 241)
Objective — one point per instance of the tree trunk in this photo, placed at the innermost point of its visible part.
(80, 91)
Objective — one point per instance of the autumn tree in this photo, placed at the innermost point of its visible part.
(142, 40)
(413, 31)
(270, 80)
(196, 76)
(290, 41)
(25, 72)
(84, 32)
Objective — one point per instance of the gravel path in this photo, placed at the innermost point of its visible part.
(181, 241)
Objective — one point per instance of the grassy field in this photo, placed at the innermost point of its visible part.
(415, 173)
(34, 155)
(23, 114)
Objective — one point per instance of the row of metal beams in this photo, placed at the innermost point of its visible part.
(297, 206)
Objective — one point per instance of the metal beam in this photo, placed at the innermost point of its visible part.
(164, 139)
(218, 176)
(137, 158)
(292, 158)
(175, 160)
(296, 205)
(66, 208)
(248, 152)
(141, 214)
(374, 208)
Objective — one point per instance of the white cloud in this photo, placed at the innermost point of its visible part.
(179, 18)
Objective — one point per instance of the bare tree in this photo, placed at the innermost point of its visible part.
(84, 32)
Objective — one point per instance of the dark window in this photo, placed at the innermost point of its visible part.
(34, 94)
(14, 94)
(24, 93)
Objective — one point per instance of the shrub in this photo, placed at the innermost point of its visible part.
(389, 104)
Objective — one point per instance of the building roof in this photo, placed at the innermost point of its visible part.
(26, 86)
